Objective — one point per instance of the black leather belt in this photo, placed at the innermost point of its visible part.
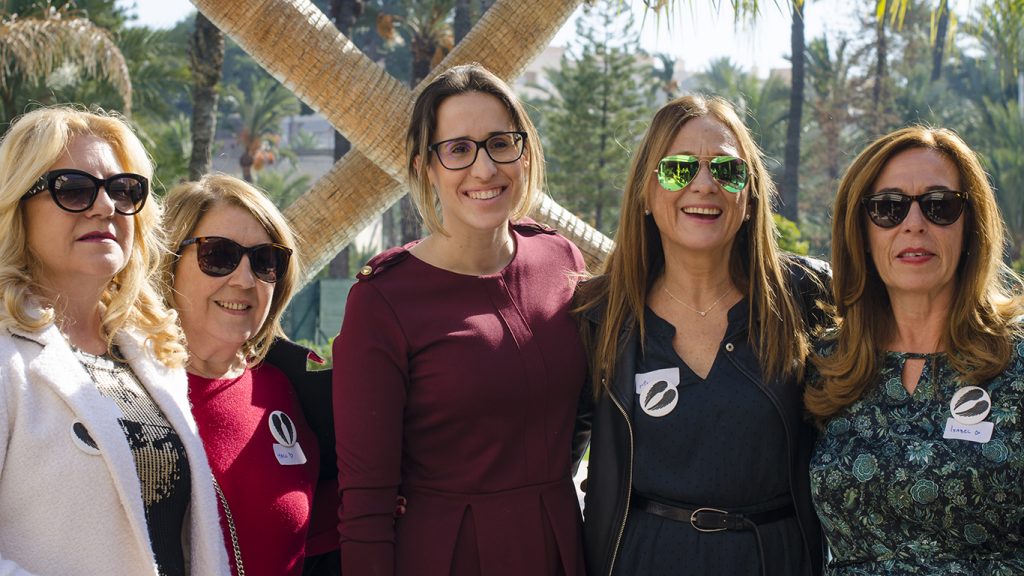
(712, 519)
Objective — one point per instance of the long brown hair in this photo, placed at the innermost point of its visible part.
(756, 264)
(981, 319)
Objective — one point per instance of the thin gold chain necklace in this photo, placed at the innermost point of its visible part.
(704, 313)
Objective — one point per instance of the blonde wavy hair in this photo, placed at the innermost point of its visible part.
(423, 128)
(756, 265)
(32, 145)
(982, 319)
(186, 204)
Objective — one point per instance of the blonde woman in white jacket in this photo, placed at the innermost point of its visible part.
(101, 468)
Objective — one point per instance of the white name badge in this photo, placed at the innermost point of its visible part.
(670, 375)
(289, 455)
(980, 432)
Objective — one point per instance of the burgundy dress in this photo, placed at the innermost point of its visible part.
(459, 393)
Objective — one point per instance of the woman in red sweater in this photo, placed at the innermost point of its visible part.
(458, 368)
(233, 274)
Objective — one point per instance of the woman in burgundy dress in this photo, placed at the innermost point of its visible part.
(458, 367)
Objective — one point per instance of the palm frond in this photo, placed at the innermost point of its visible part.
(35, 47)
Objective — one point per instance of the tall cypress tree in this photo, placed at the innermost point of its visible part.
(599, 103)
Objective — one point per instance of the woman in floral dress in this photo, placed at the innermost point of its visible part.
(920, 465)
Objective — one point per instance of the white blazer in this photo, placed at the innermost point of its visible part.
(67, 508)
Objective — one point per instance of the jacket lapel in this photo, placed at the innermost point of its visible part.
(625, 370)
(57, 367)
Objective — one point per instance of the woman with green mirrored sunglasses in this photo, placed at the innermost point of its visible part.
(677, 171)
(697, 452)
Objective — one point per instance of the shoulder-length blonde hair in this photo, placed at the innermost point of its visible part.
(32, 145)
(423, 128)
(981, 319)
(185, 206)
(756, 265)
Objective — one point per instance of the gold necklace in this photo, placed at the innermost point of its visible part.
(709, 308)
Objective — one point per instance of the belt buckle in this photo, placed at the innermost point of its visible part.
(693, 519)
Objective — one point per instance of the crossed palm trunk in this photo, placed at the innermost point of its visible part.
(300, 46)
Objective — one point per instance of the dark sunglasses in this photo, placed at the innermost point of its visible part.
(941, 207)
(676, 172)
(461, 153)
(76, 191)
(220, 256)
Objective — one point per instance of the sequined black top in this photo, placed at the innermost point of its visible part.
(160, 458)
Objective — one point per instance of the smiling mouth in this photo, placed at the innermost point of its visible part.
(915, 254)
(705, 212)
(233, 306)
(484, 194)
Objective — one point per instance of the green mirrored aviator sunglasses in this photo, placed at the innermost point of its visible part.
(676, 172)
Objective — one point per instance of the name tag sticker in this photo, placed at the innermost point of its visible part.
(670, 375)
(289, 455)
(980, 432)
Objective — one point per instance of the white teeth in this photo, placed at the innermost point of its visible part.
(484, 194)
(233, 305)
(701, 210)
(913, 254)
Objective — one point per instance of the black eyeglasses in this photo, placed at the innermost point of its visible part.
(677, 171)
(220, 256)
(76, 191)
(941, 207)
(460, 153)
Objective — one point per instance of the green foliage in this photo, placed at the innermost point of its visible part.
(256, 119)
(169, 142)
(595, 113)
(283, 186)
(790, 238)
(1003, 125)
(47, 55)
(762, 103)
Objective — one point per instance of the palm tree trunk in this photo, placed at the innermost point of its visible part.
(878, 90)
(463, 21)
(345, 14)
(206, 58)
(7, 102)
(791, 175)
(246, 162)
(938, 48)
(371, 108)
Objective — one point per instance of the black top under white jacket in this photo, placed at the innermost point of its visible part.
(611, 444)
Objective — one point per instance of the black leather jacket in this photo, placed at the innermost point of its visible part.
(611, 448)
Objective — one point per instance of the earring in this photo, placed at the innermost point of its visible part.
(647, 212)
(747, 217)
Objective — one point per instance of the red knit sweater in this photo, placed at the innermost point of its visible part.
(270, 502)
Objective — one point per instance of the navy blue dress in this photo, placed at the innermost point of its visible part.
(722, 445)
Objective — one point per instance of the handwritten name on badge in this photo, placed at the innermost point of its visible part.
(289, 455)
(980, 432)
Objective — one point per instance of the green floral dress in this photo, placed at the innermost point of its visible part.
(896, 499)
